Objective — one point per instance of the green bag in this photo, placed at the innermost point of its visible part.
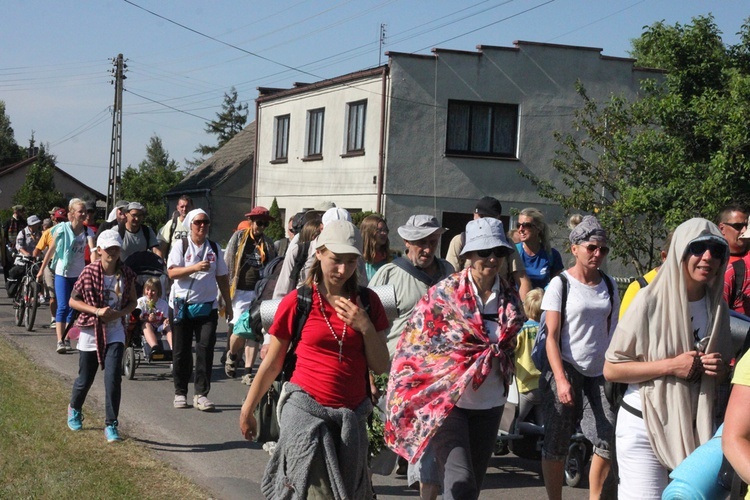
(243, 329)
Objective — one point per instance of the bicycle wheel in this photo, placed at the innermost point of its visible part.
(19, 303)
(32, 304)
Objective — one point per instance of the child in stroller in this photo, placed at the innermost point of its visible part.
(154, 319)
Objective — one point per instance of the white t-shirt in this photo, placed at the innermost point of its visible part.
(491, 393)
(584, 337)
(76, 258)
(699, 315)
(203, 288)
(160, 309)
(179, 232)
(115, 331)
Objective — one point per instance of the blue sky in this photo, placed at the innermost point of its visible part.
(55, 62)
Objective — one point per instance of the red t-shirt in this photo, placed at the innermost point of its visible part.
(318, 371)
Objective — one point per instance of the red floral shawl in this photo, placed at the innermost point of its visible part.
(443, 348)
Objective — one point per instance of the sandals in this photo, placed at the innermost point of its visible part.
(230, 365)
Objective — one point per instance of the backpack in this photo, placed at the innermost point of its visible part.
(739, 281)
(144, 229)
(213, 244)
(264, 291)
(539, 351)
(299, 261)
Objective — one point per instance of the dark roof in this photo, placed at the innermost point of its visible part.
(30, 161)
(236, 153)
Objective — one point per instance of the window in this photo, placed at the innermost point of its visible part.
(281, 138)
(482, 129)
(355, 126)
(315, 132)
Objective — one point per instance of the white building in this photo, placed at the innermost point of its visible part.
(430, 133)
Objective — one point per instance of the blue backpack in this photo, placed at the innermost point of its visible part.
(539, 351)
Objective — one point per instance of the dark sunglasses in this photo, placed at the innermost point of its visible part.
(201, 222)
(593, 248)
(737, 226)
(526, 225)
(698, 248)
(262, 223)
(499, 252)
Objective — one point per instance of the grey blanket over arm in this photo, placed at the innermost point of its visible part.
(310, 431)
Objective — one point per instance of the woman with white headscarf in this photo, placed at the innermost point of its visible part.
(670, 347)
(196, 266)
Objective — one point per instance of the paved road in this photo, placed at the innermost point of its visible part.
(208, 447)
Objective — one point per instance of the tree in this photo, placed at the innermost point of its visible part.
(148, 184)
(38, 193)
(276, 229)
(228, 123)
(681, 150)
(10, 152)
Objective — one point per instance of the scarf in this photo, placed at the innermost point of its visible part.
(444, 347)
(657, 325)
(64, 236)
(90, 286)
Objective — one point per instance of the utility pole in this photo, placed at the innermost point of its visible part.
(115, 152)
(382, 42)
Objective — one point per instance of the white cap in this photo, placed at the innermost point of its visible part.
(333, 214)
(340, 237)
(109, 238)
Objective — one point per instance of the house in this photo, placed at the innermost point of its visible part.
(13, 176)
(221, 185)
(430, 133)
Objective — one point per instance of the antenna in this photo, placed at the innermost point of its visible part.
(382, 42)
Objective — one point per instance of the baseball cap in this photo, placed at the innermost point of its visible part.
(489, 207)
(419, 226)
(333, 214)
(54, 209)
(33, 219)
(324, 206)
(134, 205)
(259, 213)
(340, 237)
(18, 208)
(60, 214)
(109, 238)
(483, 234)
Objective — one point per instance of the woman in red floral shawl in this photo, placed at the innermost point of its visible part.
(453, 364)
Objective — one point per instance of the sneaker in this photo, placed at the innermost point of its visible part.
(203, 403)
(247, 379)
(230, 365)
(61, 347)
(111, 432)
(180, 401)
(52, 323)
(68, 347)
(75, 419)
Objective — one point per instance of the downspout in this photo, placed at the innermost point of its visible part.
(254, 191)
(381, 154)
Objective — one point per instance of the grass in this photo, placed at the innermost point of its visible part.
(41, 458)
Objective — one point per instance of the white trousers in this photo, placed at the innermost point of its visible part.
(642, 476)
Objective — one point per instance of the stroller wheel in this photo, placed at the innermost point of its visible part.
(574, 465)
(128, 363)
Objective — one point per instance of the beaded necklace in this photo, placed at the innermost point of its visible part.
(330, 327)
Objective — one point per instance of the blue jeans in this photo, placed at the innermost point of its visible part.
(88, 365)
(463, 446)
(63, 289)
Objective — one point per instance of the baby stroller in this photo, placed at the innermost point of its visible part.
(147, 265)
(138, 351)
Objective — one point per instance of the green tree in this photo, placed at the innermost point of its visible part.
(228, 123)
(681, 150)
(38, 193)
(10, 152)
(275, 229)
(148, 184)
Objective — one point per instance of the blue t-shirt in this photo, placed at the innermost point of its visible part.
(539, 269)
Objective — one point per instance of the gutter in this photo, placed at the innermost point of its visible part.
(381, 153)
(254, 189)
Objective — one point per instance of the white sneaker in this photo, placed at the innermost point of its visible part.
(180, 401)
(203, 403)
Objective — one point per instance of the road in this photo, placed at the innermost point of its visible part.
(208, 447)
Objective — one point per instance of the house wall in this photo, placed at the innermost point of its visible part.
(11, 182)
(350, 182)
(539, 78)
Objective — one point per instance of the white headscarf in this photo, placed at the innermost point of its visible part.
(678, 414)
(192, 215)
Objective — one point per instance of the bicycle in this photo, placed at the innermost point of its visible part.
(26, 301)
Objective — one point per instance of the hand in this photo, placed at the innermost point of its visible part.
(564, 392)
(682, 364)
(202, 266)
(108, 314)
(248, 425)
(152, 318)
(713, 366)
(229, 313)
(353, 315)
(40, 275)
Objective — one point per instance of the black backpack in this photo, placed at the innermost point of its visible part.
(263, 291)
(739, 280)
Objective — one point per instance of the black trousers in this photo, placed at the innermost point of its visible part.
(203, 331)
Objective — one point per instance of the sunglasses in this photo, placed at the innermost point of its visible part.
(591, 248)
(737, 226)
(498, 252)
(262, 223)
(201, 222)
(526, 225)
(698, 248)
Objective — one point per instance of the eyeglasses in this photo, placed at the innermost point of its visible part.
(698, 248)
(201, 222)
(136, 215)
(593, 248)
(384, 231)
(498, 252)
(737, 226)
(262, 223)
(526, 225)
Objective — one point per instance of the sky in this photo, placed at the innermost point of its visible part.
(182, 56)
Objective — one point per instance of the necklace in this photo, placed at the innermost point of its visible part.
(330, 327)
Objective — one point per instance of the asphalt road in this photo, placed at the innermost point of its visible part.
(208, 447)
